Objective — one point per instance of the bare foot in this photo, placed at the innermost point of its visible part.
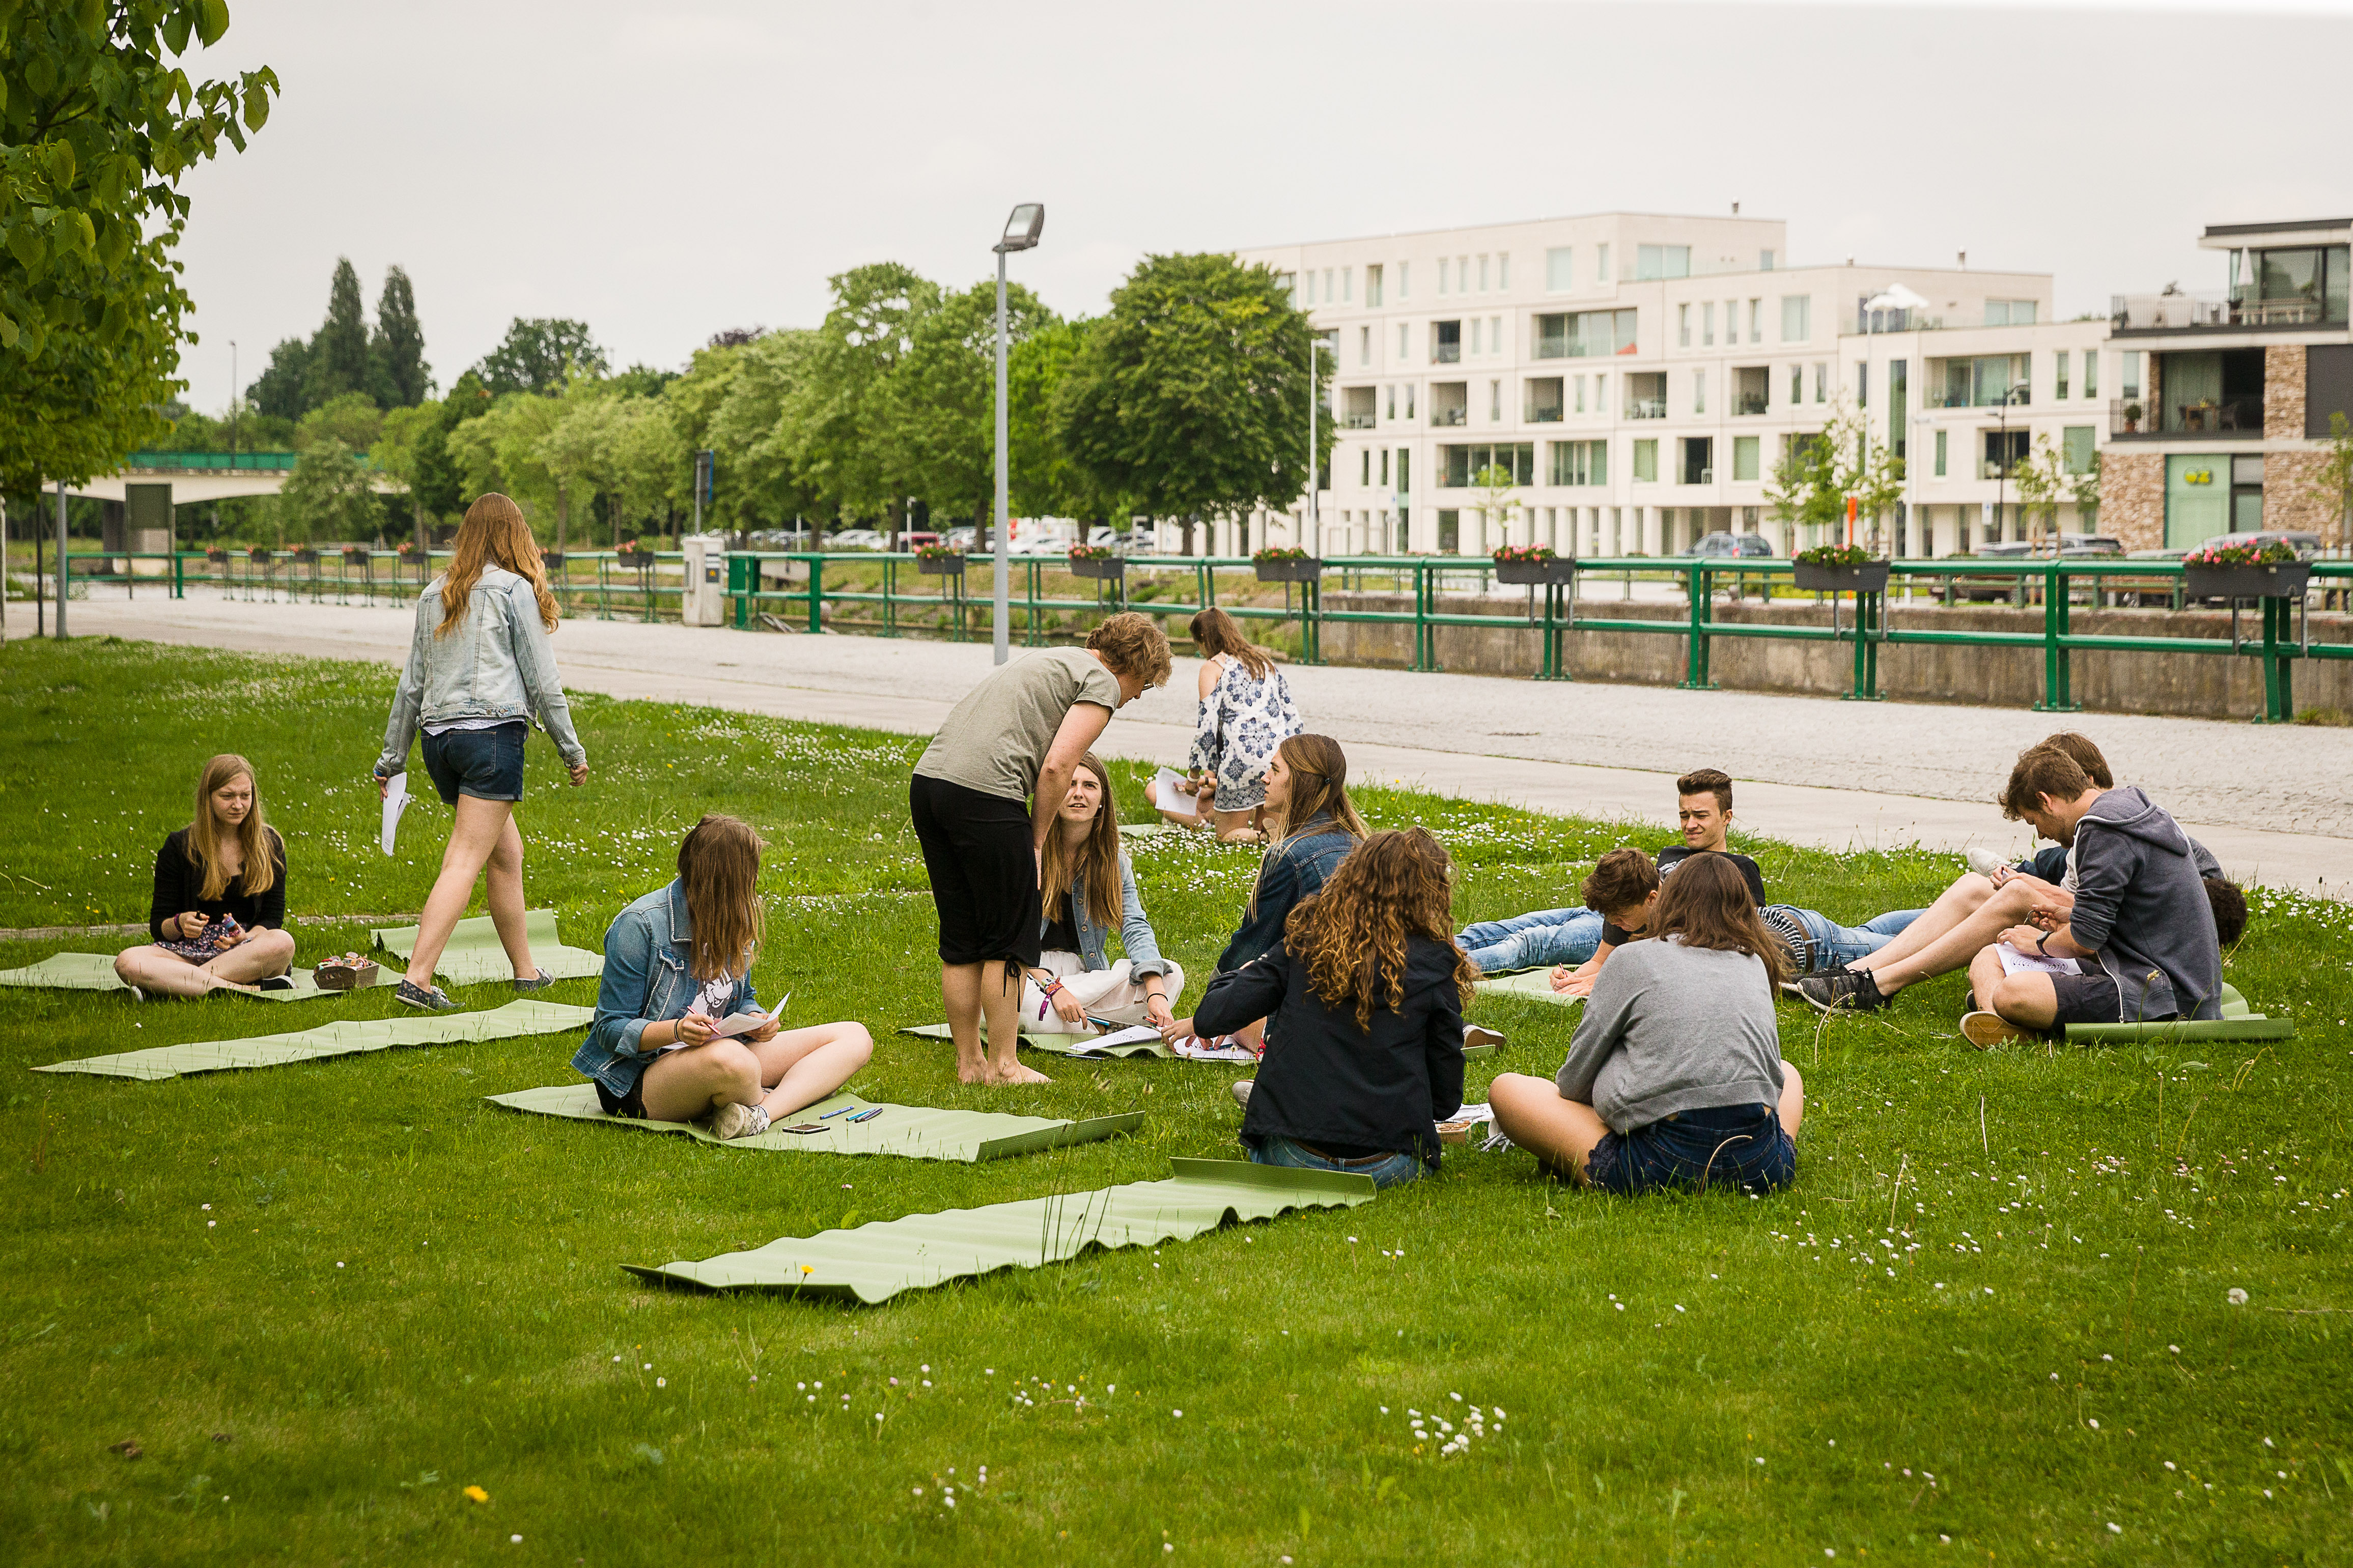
(1014, 1072)
(972, 1070)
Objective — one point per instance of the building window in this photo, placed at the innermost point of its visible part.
(1707, 324)
(1580, 394)
(1495, 334)
(1683, 326)
(1482, 275)
(1450, 533)
(1559, 273)
(1646, 461)
(1365, 464)
(2010, 313)
(1445, 342)
(2132, 372)
(1942, 436)
(1441, 276)
(1579, 463)
(1745, 449)
(1601, 264)
(1797, 385)
(2059, 383)
(1363, 346)
(1601, 394)
(1392, 401)
(1699, 460)
(1699, 392)
(1460, 467)
(1494, 403)
(1408, 403)
(1661, 261)
(1504, 271)
(1385, 467)
(1764, 261)
(1863, 384)
(1476, 328)
(1755, 320)
(2091, 372)
(2079, 445)
(1797, 318)
(1543, 399)
(1309, 297)
(1373, 285)
(1401, 345)
(1899, 400)
(1585, 334)
(1405, 280)
(1328, 295)
(1821, 381)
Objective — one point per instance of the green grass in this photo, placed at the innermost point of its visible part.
(399, 1291)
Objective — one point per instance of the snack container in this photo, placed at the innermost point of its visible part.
(348, 972)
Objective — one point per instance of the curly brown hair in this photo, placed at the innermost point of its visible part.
(1133, 644)
(1707, 904)
(1351, 933)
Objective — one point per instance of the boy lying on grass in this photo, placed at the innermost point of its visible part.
(677, 964)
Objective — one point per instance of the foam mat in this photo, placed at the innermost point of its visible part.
(473, 955)
(1081, 1045)
(350, 1036)
(95, 972)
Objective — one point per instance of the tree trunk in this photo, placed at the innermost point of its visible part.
(1188, 533)
(563, 516)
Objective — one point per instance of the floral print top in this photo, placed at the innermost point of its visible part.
(1241, 721)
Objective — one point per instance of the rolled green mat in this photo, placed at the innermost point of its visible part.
(95, 972)
(474, 954)
(350, 1037)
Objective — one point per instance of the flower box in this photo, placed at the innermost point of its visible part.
(307, 556)
(1555, 569)
(216, 554)
(2272, 580)
(950, 565)
(1307, 569)
(1813, 578)
(551, 559)
(261, 553)
(355, 555)
(1105, 569)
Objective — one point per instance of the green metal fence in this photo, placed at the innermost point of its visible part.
(613, 587)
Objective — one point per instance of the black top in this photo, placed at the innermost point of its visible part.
(1676, 854)
(1062, 931)
(1328, 1084)
(178, 881)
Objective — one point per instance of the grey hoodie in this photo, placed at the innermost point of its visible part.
(2141, 902)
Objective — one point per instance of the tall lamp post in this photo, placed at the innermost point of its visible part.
(1021, 232)
(2002, 470)
(1317, 345)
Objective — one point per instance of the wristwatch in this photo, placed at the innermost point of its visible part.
(2042, 942)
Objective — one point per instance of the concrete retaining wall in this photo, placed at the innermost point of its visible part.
(2202, 686)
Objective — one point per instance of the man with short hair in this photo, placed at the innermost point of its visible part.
(2141, 929)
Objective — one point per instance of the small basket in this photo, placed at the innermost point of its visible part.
(348, 972)
(1455, 1131)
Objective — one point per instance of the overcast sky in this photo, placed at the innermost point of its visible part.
(663, 172)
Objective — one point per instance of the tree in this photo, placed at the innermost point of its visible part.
(328, 497)
(1818, 471)
(1496, 499)
(398, 453)
(339, 354)
(1190, 396)
(97, 128)
(2042, 479)
(842, 420)
(943, 396)
(2332, 483)
(277, 392)
(2083, 489)
(734, 402)
(1044, 481)
(397, 374)
(351, 419)
(540, 354)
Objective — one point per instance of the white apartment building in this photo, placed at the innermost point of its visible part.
(1641, 375)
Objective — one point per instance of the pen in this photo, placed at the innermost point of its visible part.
(829, 1115)
(869, 1114)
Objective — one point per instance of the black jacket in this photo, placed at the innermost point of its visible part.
(1324, 1081)
(178, 881)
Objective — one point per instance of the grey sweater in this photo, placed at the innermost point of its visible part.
(1671, 1028)
(2139, 901)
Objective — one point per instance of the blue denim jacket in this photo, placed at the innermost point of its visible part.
(647, 949)
(495, 664)
(1291, 869)
(1134, 932)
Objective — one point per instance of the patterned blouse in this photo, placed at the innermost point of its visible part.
(1242, 722)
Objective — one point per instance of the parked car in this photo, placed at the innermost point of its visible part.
(1731, 546)
(914, 537)
(1957, 589)
(960, 538)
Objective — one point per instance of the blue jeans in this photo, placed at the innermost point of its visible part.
(1738, 1146)
(1833, 944)
(1536, 940)
(1385, 1170)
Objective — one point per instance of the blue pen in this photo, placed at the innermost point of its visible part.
(869, 1114)
(829, 1115)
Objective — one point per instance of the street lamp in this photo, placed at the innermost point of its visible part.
(1317, 345)
(2002, 470)
(1021, 232)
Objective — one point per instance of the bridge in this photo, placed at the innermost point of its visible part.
(186, 478)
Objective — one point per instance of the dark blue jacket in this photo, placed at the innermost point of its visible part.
(1291, 870)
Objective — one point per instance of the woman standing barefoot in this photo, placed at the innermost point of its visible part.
(219, 911)
(1019, 732)
(478, 668)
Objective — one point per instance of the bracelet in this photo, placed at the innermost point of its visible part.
(1049, 988)
(2042, 942)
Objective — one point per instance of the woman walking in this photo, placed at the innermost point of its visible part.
(218, 916)
(1246, 714)
(479, 669)
(985, 795)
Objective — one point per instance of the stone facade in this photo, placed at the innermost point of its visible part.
(2282, 400)
(2132, 498)
(2295, 496)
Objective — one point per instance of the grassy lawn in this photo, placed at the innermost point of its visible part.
(398, 1292)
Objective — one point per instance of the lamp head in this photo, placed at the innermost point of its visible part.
(1022, 229)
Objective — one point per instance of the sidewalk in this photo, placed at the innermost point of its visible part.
(1813, 770)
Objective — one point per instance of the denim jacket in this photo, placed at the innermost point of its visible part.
(1134, 932)
(647, 950)
(1291, 869)
(494, 664)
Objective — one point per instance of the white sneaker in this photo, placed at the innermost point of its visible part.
(1984, 861)
(732, 1121)
(1241, 1092)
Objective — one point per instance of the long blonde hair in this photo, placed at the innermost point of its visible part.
(254, 836)
(1215, 632)
(718, 862)
(1319, 786)
(494, 534)
(1095, 867)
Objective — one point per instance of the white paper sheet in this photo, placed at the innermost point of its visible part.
(1165, 795)
(1134, 1035)
(1192, 1051)
(395, 800)
(744, 1023)
(2016, 962)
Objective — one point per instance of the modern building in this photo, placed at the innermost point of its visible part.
(1639, 377)
(2217, 419)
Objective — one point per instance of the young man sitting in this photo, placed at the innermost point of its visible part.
(2141, 928)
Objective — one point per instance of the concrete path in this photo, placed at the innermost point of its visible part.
(2274, 804)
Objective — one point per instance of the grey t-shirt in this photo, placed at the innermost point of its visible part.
(1671, 1028)
(995, 740)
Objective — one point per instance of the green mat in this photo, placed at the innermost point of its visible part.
(1082, 1046)
(875, 1262)
(2238, 1021)
(1527, 986)
(474, 957)
(95, 972)
(348, 1038)
(915, 1131)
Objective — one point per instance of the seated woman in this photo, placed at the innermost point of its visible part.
(1315, 827)
(1367, 990)
(677, 964)
(1084, 876)
(1246, 712)
(1675, 1077)
(219, 915)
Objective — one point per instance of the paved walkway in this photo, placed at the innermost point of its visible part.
(2272, 803)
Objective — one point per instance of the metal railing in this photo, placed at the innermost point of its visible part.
(613, 587)
(2138, 419)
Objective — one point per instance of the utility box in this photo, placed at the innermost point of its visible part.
(704, 601)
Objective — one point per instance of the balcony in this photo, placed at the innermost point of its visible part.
(1445, 416)
(1752, 386)
(1545, 405)
(1646, 408)
(1356, 421)
(2237, 418)
(2192, 312)
(1356, 409)
(1450, 402)
(1646, 396)
(1446, 354)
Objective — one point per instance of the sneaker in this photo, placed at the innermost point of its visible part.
(1475, 1034)
(1986, 1030)
(1241, 1092)
(136, 994)
(1792, 932)
(1847, 991)
(1984, 862)
(540, 981)
(432, 998)
(732, 1121)
(277, 982)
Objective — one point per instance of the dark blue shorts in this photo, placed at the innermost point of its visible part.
(1720, 1146)
(484, 763)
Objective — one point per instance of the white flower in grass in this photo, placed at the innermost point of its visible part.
(2238, 1298)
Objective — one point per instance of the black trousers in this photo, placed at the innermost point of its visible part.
(981, 856)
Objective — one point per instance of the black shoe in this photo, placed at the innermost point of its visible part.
(277, 982)
(1849, 991)
(431, 998)
(1792, 932)
(540, 981)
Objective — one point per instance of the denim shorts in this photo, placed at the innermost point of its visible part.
(1385, 1170)
(484, 763)
(1722, 1145)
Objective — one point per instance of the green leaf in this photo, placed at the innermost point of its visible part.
(7, 332)
(257, 107)
(212, 20)
(26, 246)
(175, 31)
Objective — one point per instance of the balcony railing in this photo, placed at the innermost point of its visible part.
(1356, 421)
(1545, 414)
(2164, 312)
(2137, 419)
(1646, 408)
(1750, 403)
(1446, 354)
(1449, 416)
